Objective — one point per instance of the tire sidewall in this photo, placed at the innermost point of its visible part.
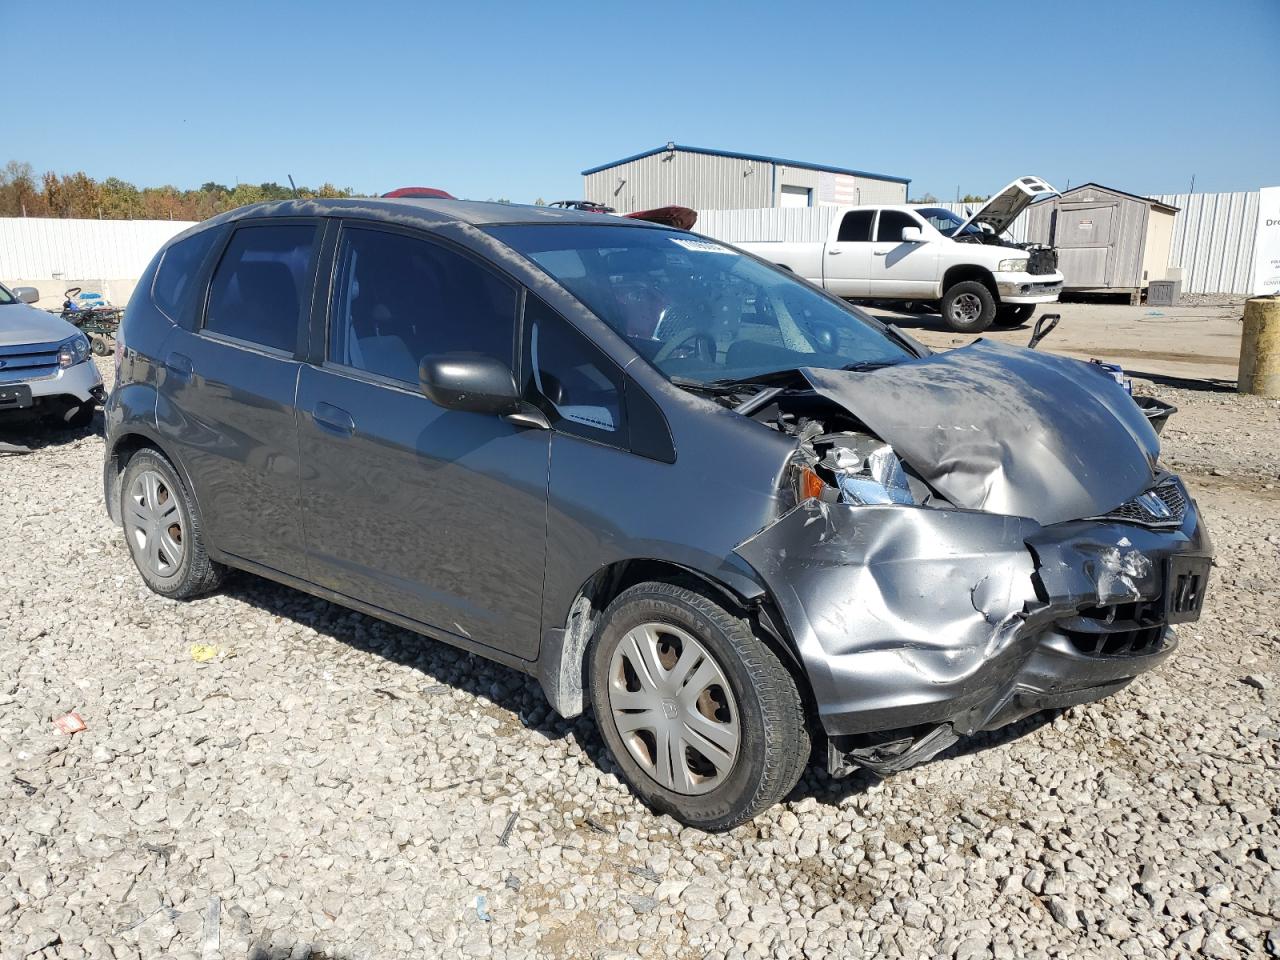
(726, 802)
(146, 460)
(984, 320)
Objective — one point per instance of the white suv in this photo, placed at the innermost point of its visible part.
(45, 363)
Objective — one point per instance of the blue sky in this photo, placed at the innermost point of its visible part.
(515, 100)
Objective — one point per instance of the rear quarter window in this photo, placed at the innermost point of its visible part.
(176, 278)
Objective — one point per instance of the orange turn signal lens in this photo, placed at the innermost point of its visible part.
(811, 484)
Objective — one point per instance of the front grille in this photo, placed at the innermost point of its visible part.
(1043, 260)
(1119, 630)
(28, 362)
(1164, 505)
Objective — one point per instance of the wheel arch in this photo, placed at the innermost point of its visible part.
(561, 667)
(123, 448)
(970, 271)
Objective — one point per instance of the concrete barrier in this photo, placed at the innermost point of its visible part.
(1260, 348)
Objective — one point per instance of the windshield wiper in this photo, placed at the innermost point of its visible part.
(710, 386)
(870, 364)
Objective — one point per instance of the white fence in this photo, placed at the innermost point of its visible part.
(1213, 234)
(35, 247)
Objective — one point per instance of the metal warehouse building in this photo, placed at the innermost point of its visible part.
(722, 180)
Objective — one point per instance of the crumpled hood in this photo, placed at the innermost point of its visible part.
(1005, 429)
(22, 324)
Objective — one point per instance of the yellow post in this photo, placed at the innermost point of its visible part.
(1260, 348)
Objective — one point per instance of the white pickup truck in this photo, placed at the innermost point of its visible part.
(931, 255)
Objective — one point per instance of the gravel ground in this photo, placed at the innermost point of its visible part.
(327, 785)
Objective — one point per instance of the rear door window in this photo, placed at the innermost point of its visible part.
(261, 285)
(399, 298)
(856, 226)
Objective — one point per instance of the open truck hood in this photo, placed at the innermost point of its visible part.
(1005, 429)
(1002, 209)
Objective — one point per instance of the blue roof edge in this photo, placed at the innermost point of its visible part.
(748, 156)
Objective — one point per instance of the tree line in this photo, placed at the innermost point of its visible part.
(78, 195)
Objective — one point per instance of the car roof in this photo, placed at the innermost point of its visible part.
(429, 212)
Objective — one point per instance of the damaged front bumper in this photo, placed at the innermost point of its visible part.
(917, 625)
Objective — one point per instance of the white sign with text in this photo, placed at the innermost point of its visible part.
(1266, 247)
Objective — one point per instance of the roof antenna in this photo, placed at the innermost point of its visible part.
(292, 184)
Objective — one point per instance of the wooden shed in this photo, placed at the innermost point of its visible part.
(1108, 241)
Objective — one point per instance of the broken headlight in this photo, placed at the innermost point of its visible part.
(854, 469)
(868, 471)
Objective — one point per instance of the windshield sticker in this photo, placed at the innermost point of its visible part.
(702, 246)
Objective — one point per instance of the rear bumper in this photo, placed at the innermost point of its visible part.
(909, 620)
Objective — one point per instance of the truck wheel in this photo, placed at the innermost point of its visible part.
(700, 714)
(1014, 315)
(968, 307)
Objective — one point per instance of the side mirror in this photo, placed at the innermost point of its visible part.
(469, 381)
(26, 294)
(912, 235)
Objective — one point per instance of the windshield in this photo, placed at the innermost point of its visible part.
(698, 310)
(945, 222)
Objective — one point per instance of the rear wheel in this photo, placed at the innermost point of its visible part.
(163, 530)
(968, 307)
(1014, 314)
(702, 717)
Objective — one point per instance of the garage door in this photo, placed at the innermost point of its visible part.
(795, 197)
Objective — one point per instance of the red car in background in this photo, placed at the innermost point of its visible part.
(421, 193)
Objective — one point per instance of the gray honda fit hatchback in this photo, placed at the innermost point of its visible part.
(733, 516)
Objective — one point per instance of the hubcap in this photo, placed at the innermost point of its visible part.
(673, 708)
(967, 307)
(154, 524)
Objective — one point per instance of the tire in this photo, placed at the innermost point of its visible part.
(179, 566)
(99, 346)
(968, 307)
(1014, 315)
(745, 695)
(78, 415)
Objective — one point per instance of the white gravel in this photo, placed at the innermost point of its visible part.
(331, 786)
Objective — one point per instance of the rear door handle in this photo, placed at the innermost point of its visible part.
(179, 364)
(334, 419)
(834, 253)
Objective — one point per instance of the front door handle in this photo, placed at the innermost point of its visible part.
(179, 364)
(333, 419)
(881, 253)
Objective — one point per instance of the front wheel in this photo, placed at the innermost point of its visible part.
(1014, 314)
(701, 715)
(968, 307)
(77, 416)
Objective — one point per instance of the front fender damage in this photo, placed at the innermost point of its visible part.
(885, 608)
(916, 626)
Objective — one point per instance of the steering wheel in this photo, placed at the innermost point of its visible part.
(703, 347)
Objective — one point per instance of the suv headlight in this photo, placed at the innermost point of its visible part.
(73, 350)
(1012, 266)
